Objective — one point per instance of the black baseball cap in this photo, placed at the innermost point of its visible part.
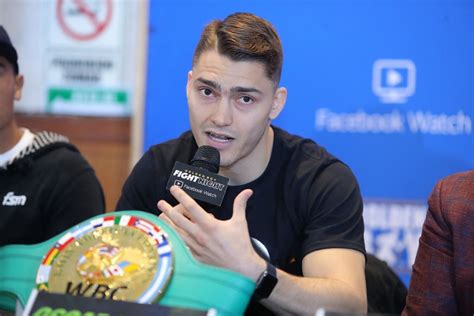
(7, 50)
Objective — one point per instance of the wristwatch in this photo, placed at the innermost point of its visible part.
(266, 282)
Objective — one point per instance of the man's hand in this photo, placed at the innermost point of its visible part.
(221, 243)
(333, 278)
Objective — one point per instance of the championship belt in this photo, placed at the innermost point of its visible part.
(129, 256)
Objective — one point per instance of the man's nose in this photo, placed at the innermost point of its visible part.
(222, 115)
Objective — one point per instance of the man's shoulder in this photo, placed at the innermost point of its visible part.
(309, 163)
(48, 149)
(53, 146)
(306, 156)
(302, 147)
(63, 156)
(452, 202)
(465, 178)
(457, 186)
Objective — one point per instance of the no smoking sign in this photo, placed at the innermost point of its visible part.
(84, 20)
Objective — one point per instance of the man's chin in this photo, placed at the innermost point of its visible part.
(226, 163)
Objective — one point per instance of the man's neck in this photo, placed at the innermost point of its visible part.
(10, 135)
(254, 166)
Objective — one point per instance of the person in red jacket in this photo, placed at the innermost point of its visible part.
(442, 282)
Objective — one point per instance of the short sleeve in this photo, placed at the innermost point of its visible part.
(334, 211)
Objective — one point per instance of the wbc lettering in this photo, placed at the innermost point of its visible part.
(100, 291)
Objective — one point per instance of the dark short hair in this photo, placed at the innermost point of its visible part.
(244, 37)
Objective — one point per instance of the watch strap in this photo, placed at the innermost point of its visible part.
(266, 282)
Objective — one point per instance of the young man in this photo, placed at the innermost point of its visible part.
(46, 186)
(288, 195)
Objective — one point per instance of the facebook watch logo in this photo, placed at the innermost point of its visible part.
(393, 80)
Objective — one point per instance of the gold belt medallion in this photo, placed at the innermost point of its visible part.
(114, 257)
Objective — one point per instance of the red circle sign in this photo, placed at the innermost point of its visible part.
(83, 20)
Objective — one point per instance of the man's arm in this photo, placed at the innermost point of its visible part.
(431, 289)
(333, 278)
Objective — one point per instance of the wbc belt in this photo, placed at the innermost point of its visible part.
(128, 255)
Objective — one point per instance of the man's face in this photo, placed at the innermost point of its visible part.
(10, 90)
(231, 105)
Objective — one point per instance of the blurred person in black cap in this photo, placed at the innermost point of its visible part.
(46, 186)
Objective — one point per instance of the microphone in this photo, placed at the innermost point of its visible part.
(207, 157)
(207, 160)
(200, 179)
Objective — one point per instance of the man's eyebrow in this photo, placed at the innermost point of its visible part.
(217, 87)
(244, 90)
(210, 83)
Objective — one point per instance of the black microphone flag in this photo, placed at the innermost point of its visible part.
(200, 179)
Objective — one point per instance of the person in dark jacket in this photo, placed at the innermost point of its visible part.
(46, 186)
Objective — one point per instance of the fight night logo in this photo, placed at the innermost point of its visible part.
(199, 183)
(196, 178)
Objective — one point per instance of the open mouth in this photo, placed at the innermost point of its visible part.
(219, 137)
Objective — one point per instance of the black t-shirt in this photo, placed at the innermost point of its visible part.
(305, 200)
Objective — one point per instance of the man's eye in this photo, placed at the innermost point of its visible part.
(246, 99)
(206, 92)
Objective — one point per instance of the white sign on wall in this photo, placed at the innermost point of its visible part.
(79, 57)
(85, 58)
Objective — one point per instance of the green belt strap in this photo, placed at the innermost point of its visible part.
(193, 284)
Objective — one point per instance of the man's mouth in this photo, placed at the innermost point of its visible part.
(219, 137)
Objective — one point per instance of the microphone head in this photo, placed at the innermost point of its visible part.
(207, 157)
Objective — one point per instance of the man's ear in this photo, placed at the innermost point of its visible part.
(19, 81)
(188, 84)
(279, 101)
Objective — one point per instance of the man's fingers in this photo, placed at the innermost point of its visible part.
(162, 204)
(192, 209)
(240, 204)
(192, 244)
(176, 217)
(179, 208)
(166, 219)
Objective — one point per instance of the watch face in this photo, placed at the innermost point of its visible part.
(266, 283)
